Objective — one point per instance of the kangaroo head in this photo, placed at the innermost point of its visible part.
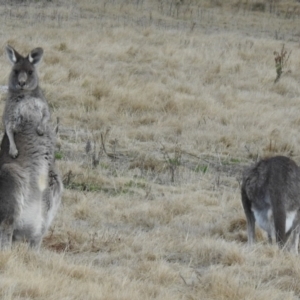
(23, 76)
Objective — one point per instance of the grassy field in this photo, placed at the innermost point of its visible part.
(160, 105)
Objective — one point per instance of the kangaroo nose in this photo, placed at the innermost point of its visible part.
(22, 83)
(22, 79)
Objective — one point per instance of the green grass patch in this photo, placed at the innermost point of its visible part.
(104, 166)
(92, 187)
(58, 155)
(201, 169)
(132, 183)
(235, 160)
(174, 161)
(231, 161)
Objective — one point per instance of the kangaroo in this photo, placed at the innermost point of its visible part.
(24, 95)
(271, 197)
(30, 187)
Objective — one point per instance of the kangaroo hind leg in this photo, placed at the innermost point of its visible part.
(6, 233)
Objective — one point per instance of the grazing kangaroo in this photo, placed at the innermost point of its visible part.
(271, 197)
(30, 188)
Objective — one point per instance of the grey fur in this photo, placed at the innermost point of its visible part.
(24, 96)
(271, 197)
(30, 187)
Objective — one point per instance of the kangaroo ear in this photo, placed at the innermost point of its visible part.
(35, 56)
(12, 54)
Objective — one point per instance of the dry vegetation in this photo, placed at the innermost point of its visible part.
(160, 104)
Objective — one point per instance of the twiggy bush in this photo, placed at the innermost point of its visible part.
(172, 163)
(281, 60)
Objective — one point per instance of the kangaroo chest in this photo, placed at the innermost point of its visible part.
(29, 108)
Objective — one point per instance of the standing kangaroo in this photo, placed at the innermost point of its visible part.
(25, 96)
(271, 197)
(30, 188)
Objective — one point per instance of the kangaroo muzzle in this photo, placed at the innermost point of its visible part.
(22, 78)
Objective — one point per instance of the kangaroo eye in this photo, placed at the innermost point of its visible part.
(16, 72)
(29, 72)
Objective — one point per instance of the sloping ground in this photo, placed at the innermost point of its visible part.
(157, 118)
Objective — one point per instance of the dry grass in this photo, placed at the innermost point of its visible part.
(161, 105)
